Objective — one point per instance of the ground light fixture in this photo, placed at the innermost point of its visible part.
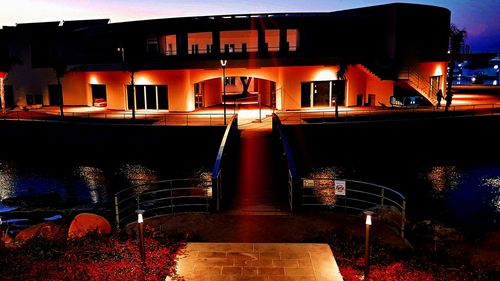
(368, 224)
(140, 225)
(223, 64)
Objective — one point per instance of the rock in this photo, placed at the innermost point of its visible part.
(86, 223)
(47, 230)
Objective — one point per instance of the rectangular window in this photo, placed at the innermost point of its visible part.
(99, 95)
(273, 40)
(230, 81)
(169, 45)
(236, 39)
(292, 37)
(149, 97)
(152, 46)
(200, 39)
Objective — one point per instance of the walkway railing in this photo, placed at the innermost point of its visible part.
(161, 198)
(289, 162)
(345, 194)
(395, 113)
(226, 149)
(110, 118)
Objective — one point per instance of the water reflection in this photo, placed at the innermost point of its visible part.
(7, 174)
(443, 179)
(494, 184)
(95, 181)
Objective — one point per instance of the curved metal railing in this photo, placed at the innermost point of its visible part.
(163, 197)
(346, 194)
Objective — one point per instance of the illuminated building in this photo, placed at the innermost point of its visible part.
(289, 59)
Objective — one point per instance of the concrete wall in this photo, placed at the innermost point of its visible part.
(429, 69)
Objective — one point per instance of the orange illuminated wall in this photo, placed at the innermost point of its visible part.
(428, 69)
(273, 39)
(201, 39)
(74, 90)
(238, 37)
(356, 85)
(382, 90)
(212, 92)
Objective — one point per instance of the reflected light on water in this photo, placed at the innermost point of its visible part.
(495, 184)
(138, 174)
(324, 190)
(7, 179)
(443, 178)
(94, 180)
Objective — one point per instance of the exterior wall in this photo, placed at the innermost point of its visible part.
(212, 90)
(428, 69)
(115, 81)
(383, 90)
(356, 85)
(37, 83)
(75, 90)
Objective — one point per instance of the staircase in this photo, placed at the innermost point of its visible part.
(417, 82)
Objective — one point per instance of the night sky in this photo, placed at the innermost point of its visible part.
(480, 17)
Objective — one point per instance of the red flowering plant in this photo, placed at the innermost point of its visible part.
(92, 257)
(394, 264)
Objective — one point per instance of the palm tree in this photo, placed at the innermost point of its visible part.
(341, 76)
(457, 37)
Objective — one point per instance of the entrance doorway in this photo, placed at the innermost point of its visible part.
(55, 92)
(323, 93)
(147, 97)
(434, 82)
(99, 95)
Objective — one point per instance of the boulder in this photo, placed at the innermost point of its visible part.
(46, 230)
(86, 223)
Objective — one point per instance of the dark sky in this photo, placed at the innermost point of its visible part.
(480, 17)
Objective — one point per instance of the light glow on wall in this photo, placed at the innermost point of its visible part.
(142, 81)
(93, 80)
(325, 75)
(438, 71)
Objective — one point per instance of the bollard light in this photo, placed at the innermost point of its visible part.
(140, 224)
(368, 223)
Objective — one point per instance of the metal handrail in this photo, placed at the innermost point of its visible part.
(155, 119)
(379, 114)
(146, 195)
(360, 197)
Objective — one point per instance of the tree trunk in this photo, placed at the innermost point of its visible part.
(61, 101)
(2, 92)
(133, 91)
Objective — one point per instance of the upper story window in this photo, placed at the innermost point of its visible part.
(200, 42)
(239, 41)
(169, 45)
(273, 40)
(292, 38)
(152, 46)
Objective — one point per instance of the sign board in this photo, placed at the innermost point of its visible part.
(340, 187)
(308, 183)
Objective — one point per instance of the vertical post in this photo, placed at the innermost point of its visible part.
(117, 213)
(140, 224)
(260, 108)
(382, 197)
(223, 64)
(403, 219)
(368, 223)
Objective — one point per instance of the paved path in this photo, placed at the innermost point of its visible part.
(257, 262)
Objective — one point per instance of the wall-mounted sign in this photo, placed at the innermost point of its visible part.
(340, 187)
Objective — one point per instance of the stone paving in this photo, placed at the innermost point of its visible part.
(257, 262)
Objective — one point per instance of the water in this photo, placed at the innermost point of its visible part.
(77, 182)
(466, 196)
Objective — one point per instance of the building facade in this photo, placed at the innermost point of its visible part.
(289, 61)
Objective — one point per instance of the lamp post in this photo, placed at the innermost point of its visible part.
(368, 223)
(140, 224)
(223, 64)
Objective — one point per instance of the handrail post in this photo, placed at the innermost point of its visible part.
(117, 213)
(382, 197)
(403, 219)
